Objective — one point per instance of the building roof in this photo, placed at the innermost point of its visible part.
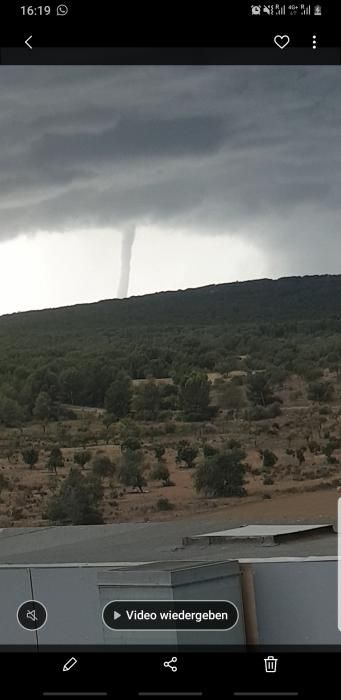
(146, 542)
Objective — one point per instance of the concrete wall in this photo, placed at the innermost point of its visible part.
(213, 581)
(296, 601)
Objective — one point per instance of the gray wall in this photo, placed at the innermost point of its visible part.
(214, 581)
(296, 601)
(71, 597)
(15, 589)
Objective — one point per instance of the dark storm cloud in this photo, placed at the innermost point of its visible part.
(132, 140)
(248, 151)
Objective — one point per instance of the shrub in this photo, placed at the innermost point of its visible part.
(232, 444)
(300, 455)
(131, 469)
(314, 447)
(3, 482)
(55, 459)
(102, 466)
(81, 458)
(170, 428)
(209, 450)
(222, 474)
(263, 412)
(76, 502)
(194, 396)
(161, 473)
(164, 504)
(259, 391)
(159, 451)
(131, 443)
(269, 458)
(30, 456)
(320, 391)
(186, 453)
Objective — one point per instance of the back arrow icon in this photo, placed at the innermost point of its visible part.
(27, 41)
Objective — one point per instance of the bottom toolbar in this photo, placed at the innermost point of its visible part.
(205, 673)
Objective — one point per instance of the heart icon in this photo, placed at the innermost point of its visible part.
(281, 40)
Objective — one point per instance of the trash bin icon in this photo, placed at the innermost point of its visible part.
(270, 664)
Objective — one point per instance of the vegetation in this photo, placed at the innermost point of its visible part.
(82, 458)
(131, 469)
(117, 397)
(55, 459)
(320, 391)
(269, 458)
(76, 502)
(102, 466)
(195, 396)
(30, 456)
(197, 378)
(186, 453)
(222, 474)
(164, 504)
(161, 473)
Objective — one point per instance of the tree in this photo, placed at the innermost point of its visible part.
(195, 396)
(230, 396)
(11, 413)
(300, 455)
(42, 408)
(11, 449)
(3, 482)
(81, 458)
(117, 398)
(159, 451)
(131, 469)
(186, 453)
(30, 456)
(127, 428)
(259, 391)
(321, 392)
(55, 459)
(102, 466)
(76, 502)
(161, 473)
(222, 474)
(269, 458)
(329, 449)
(209, 450)
(70, 380)
(131, 443)
(147, 400)
(164, 504)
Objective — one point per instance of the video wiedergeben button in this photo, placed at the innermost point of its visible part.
(170, 614)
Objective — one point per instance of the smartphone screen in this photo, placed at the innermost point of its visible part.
(170, 352)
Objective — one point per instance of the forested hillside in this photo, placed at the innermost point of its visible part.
(225, 392)
(73, 355)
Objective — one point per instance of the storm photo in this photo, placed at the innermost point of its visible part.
(225, 173)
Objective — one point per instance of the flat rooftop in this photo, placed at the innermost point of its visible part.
(151, 541)
(264, 534)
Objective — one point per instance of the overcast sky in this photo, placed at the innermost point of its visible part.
(228, 173)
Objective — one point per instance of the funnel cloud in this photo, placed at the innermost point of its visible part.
(229, 172)
(128, 237)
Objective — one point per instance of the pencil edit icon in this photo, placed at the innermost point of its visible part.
(70, 663)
